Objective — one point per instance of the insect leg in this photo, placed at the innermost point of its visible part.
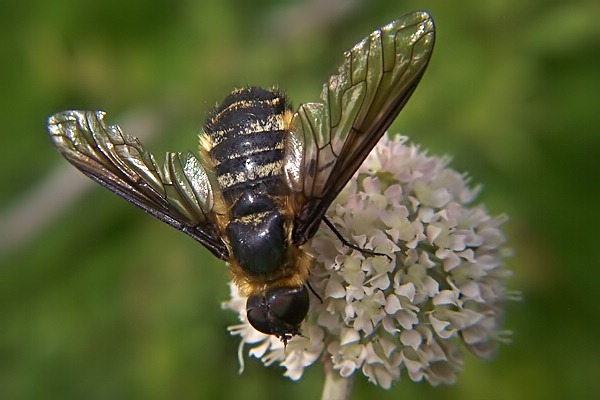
(313, 292)
(352, 246)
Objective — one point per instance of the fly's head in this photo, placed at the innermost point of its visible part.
(279, 311)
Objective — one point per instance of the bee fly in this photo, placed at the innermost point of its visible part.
(266, 175)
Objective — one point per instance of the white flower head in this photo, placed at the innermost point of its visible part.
(443, 289)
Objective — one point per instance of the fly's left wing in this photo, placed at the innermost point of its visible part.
(179, 194)
(330, 140)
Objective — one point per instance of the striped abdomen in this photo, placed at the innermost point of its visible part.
(244, 137)
(246, 133)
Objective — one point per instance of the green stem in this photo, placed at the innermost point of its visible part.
(335, 387)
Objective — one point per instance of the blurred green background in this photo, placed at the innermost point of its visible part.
(100, 301)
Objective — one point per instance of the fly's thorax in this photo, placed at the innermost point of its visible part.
(259, 239)
(258, 235)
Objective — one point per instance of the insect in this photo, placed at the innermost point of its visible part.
(266, 175)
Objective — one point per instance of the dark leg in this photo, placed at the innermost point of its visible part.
(352, 246)
(313, 291)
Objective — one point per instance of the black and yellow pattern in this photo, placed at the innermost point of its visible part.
(244, 138)
(266, 175)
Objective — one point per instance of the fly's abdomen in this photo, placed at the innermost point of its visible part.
(247, 133)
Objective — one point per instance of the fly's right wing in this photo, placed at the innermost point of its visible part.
(329, 140)
(179, 194)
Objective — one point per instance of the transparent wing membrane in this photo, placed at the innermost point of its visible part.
(179, 194)
(331, 139)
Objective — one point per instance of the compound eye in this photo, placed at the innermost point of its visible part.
(257, 313)
(289, 305)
